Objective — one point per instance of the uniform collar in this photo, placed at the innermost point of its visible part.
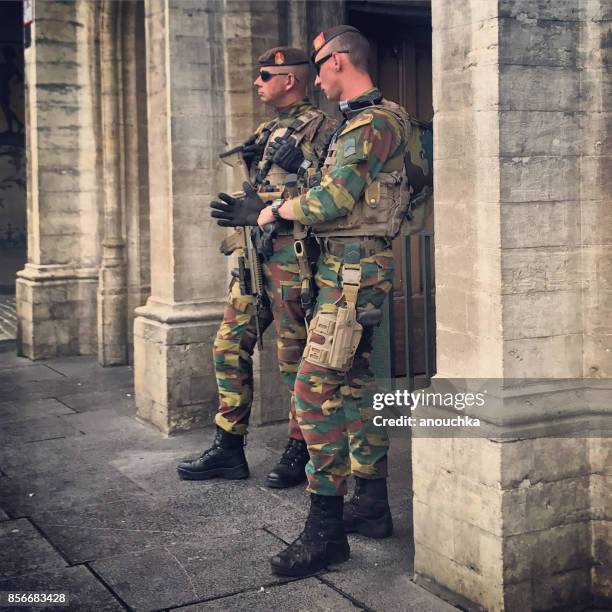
(366, 97)
(295, 109)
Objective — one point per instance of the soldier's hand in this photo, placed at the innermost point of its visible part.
(285, 154)
(236, 212)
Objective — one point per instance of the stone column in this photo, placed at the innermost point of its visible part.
(517, 519)
(56, 291)
(174, 331)
(112, 294)
(595, 58)
(136, 172)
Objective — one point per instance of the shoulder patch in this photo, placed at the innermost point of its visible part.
(309, 117)
(360, 121)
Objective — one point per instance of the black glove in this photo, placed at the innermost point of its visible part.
(235, 212)
(285, 154)
(251, 151)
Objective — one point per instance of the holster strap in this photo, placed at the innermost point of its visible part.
(351, 280)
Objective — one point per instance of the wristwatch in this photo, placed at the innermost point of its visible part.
(275, 206)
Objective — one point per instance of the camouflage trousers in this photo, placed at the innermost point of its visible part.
(237, 337)
(332, 408)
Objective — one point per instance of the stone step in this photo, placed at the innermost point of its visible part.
(8, 330)
(7, 313)
(8, 318)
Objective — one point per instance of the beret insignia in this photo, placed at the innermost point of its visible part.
(319, 41)
(279, 58)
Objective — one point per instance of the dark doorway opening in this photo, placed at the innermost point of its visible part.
(13, 250)
(12, 146)
(401, 40)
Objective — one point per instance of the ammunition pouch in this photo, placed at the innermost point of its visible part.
(232, 243)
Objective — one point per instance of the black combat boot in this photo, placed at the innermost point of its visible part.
(224, 459)
(322, 542)
(290, 469)
(368, 512)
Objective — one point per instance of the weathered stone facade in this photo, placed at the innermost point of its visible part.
(520, 521)
(129, 105)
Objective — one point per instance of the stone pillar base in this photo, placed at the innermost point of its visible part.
(174, 373)
(56, 311)
(519, 519)
(112, 317)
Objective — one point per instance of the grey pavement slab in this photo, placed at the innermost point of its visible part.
(85, 591)
(120, 400)
(80, 542)
(189, 572)
(24, 550)
(82, 486)
(34, 430)
(14, 411)
(10, 391)
(383, 589)
(104, 422)
(43, 457)
(309, 594)
(10, 359)
(101, 444)
(138, 523)
(4, 516)
(87, 367)
(35, 373)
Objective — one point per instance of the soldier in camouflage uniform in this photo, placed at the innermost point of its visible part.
(282, 81)
(354, 211)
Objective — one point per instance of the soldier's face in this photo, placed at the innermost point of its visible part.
(274, 87)
(328, 76)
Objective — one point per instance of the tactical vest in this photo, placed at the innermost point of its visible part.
(384, 203)
(273, 130)
(275, 177)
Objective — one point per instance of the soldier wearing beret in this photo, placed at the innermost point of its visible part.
(299, 131)
(354, 214)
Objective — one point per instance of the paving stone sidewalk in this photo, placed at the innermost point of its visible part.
(8, 318)
(90, 504)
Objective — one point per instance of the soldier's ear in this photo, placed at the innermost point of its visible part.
(338, 59)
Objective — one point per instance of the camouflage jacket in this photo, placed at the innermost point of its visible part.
(313, 138)
(368, 142)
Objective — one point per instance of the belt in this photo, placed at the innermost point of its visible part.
(366, 247)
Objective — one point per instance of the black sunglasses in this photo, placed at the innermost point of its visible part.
(320, 62)
(265, 76)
